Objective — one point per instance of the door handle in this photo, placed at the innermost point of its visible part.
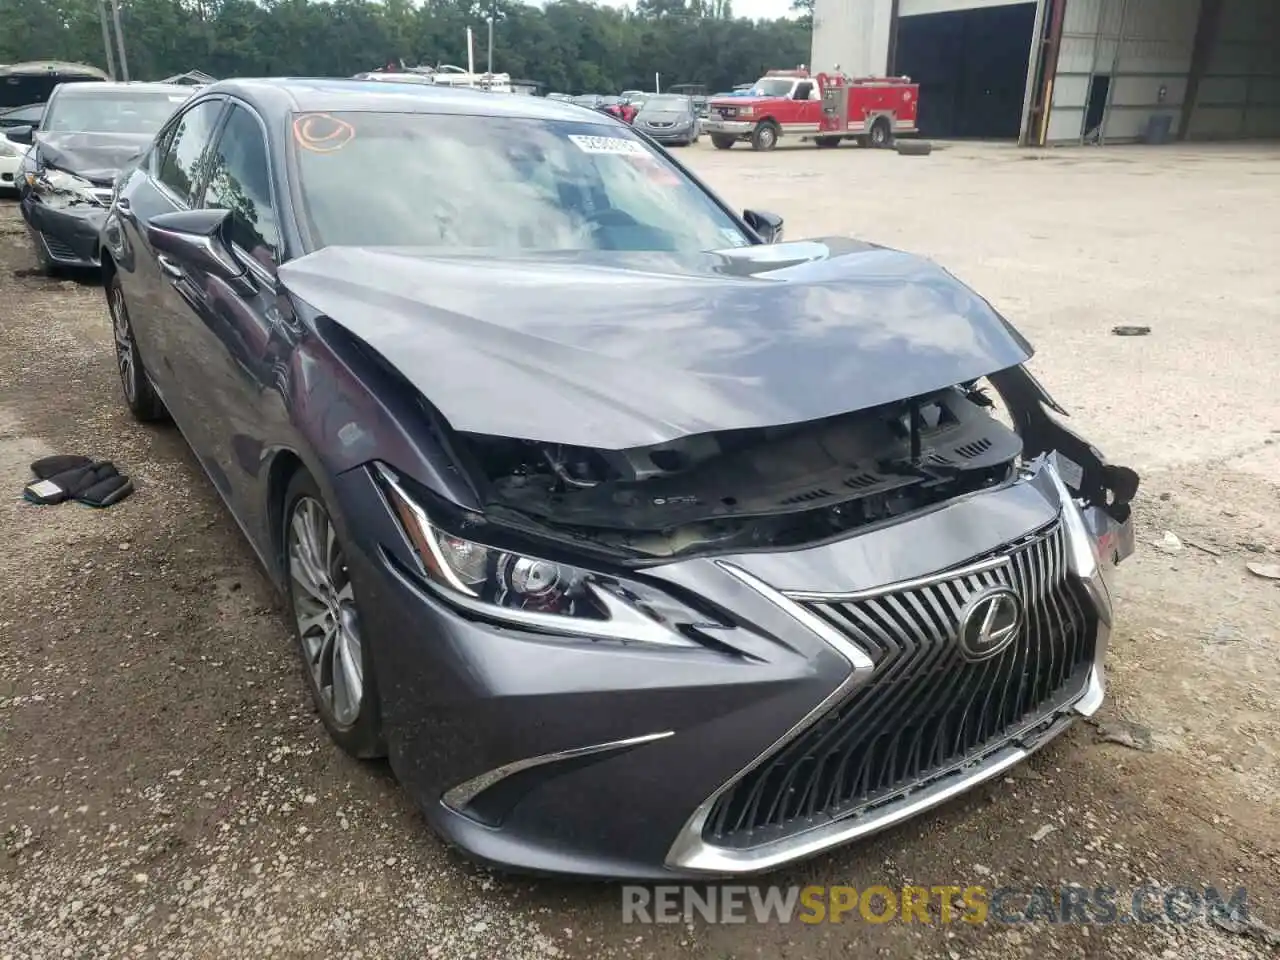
(170, 267)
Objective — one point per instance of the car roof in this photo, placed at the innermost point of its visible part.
(109, 89)
(325, 95)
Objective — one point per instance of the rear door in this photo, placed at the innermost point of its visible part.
(157, 293)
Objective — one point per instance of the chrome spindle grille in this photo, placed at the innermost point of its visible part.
(925, 709)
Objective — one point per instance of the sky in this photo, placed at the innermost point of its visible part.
(752, 9)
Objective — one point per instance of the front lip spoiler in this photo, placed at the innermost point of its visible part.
(692, 855)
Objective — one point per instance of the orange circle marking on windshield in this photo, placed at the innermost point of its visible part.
(322, 132)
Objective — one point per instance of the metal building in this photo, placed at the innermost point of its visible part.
(1066, 71)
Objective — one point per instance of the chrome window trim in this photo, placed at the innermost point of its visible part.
(157, 162)
(232, 102)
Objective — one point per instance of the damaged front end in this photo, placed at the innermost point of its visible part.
(799, 485)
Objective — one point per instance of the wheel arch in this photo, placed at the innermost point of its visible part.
(284, 465)
(108, 265)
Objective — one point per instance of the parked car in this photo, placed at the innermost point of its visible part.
(35, 81)
(11, 153)
(87, 133)
(643, 547)
(697, 92)
(669, 119)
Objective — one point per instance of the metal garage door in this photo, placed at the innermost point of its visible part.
(1239, 94)
(1121, 64)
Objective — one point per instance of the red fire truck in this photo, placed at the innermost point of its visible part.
(826, 109)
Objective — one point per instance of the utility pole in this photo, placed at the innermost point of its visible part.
(124, 61)
(490, 44)
(106, 39)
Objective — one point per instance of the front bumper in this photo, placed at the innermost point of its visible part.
(67, 235)
(565, 756)
(670, 136)
(736, 128)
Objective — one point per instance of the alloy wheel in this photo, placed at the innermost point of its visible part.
(325, 610)
(126, 357)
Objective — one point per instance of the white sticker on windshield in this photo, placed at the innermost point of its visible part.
(618, 145)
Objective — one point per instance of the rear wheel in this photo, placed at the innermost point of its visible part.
(765, 135)
(327, 621)
(881, 133)
(138, 392)
(723, 141)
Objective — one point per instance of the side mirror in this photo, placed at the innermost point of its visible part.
(23, 135)
(768, 226)
(198, 238)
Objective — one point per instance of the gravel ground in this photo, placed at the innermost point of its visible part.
(166, 790)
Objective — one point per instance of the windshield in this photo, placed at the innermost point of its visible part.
(27, 116)
(132, 111)
(666, 104)
(773, 87)
(496, 183)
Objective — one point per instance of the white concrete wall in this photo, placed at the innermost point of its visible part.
(1145, 46)
(1239, 95)
(916, 8)
(853, 34)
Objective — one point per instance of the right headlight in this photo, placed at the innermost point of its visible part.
(9, 150)
(537, 594)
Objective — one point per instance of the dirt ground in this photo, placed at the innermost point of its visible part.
(166, 790)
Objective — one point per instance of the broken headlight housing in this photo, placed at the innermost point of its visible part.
(59, 188)
(537, 594)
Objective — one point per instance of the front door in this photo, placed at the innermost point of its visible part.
(242, 330)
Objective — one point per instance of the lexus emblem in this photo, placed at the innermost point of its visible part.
(989, 623)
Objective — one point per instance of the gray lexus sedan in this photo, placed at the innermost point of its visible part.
(643, 543)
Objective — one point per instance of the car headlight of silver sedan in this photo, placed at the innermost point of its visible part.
(541, 595)
(9, 150)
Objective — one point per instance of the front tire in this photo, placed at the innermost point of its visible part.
(327, 622)
(765, 135)
(138, 392)
(722, 142)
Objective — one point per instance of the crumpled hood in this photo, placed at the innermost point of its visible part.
(615, 350)
(95, 156)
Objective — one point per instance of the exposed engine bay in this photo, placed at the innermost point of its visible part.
(767, 487)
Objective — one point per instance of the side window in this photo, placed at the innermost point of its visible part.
(803, 90)
(240, 181)
(181, 159)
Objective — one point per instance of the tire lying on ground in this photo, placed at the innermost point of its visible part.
(914, 148)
